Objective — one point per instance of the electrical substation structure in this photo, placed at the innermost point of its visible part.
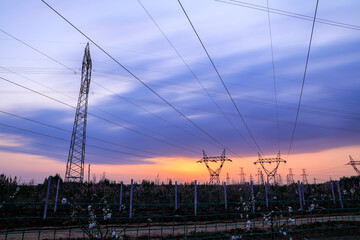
(353, 163)
(270, 173)
(75, 162)
(214, 174)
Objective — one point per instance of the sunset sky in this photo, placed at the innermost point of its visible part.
(260, 56)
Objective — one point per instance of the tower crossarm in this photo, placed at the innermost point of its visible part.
(353, 163)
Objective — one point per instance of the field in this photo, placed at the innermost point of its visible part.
(107, 210)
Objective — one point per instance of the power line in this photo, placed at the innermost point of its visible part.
(303, 81)
(274, 76)
(193, 74)
(66, 140)
(106, 120)
(67, 131)
(142, 82)
(290, 14)
(53, 59)
(217, 72)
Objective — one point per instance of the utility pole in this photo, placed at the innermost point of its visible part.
(214, 174)
(75, 163)
(251, 178)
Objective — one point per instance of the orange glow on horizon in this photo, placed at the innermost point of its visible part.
(321, 165)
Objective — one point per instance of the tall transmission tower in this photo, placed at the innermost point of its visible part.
(214, 174)
(75, 162)
(260, 177)
(242, 175)
(353, 163)
(304, 176)
(270, 173)
(290, 177)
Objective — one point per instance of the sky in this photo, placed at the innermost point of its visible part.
(158, 99)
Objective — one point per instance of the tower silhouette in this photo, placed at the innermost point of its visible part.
(75, 163)
(214, 174)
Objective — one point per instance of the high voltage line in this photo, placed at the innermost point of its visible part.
(274, 76)
(194, 75)
(290, 14)
(66, 140)
(303, 80)
(46, 55)
(138, 79)
(64, 130)
(222, 81)
(74, 71)
(104, 119)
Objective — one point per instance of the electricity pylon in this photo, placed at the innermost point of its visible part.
(270, 173)
(75, 162)
(353, 163)
(278, 180)
(304, 176)
(242, 175)
(290, 177)
(260, 177)
(214, 174)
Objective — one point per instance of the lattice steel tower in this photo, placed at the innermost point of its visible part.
(290, 177)
(214, 174)
(242, 175)
(353, 163)
(304, 176)
(270, 173)
(75, 162)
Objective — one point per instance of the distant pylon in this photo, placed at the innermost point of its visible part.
(270, 173)
(304, 176)
(278, 179)
(75, 163)
(242, 175)
(260, 177)
(251, 178)
(227, 179)
(290, 177)
(353, 163)
(89, 174)
(214, 174)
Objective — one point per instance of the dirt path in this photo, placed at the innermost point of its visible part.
(167, 229)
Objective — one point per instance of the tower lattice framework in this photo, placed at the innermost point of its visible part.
(214, 174)
(270, 173)
(75, 162)
(353, 163)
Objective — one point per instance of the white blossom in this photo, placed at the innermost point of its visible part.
(63, 201)
(91, 225)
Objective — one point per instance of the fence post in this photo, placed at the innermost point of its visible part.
(195, 200)
(121, 191)
(175, 195)
(131, 197)
(225, 198)
(302, 193)
(339, 191)
(333, 192)
(299, 190)
(57, 194)
(252, 197)
(47, 197)
(266, 195)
